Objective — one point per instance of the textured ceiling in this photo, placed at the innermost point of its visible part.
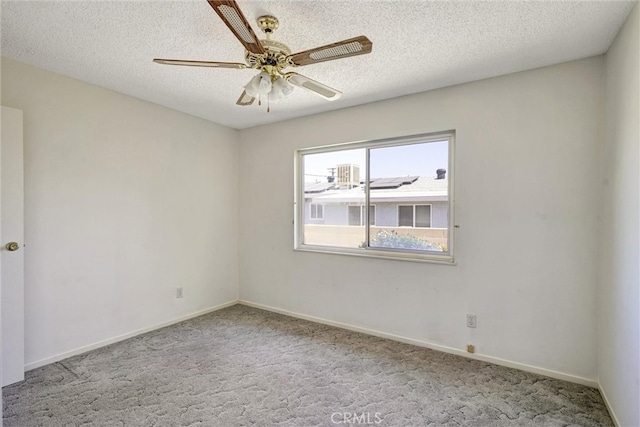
(417, 46)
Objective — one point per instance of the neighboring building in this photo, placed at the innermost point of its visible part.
(414, 202)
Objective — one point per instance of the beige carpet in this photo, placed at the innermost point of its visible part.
(241, 366)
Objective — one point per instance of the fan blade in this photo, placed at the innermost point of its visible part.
(351, 47)
(232, 16)
(245, 99)
(200, 63)
(314, 86)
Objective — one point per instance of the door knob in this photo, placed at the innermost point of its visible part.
(12, 246)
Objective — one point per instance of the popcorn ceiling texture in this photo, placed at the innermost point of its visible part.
(244, 366)
(417, 46)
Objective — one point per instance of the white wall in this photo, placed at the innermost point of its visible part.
(619, 325)
(527, 176)
(125, 201)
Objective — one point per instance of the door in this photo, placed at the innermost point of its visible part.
(12, 257)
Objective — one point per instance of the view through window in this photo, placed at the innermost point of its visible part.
(391, 196)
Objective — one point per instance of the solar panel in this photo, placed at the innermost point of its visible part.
(317, 187)
(379, 184)
(392, 182)
(409, 179)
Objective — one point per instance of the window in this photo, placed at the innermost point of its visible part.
(316, 211)
(357, 216)
(388, 198)
(414, 216)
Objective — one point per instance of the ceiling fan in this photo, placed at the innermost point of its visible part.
(272, 58)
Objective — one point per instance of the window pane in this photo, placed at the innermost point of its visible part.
(354, 215)
(333, 186)
(409, 186)
(423, 216)
(316, 211)
(372, 215)
(405, 216)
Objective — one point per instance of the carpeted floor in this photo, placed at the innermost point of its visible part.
(242, 366)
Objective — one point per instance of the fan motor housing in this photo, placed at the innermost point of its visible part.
(274, 59)
(275, 55)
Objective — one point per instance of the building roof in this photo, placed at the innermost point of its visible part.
(317, 187)
(423, 188)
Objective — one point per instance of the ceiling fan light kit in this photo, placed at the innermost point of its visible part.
(280, 88)
(271, 58)
(265, 86)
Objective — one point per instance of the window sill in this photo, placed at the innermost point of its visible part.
(380, 253)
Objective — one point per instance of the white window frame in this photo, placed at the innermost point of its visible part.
(413, 219)
(316, 218)
(366, 219)
(367, 251)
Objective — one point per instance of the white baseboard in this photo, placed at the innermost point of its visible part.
(485, 358)
(84, 349)
(608, 405)
(419, 343)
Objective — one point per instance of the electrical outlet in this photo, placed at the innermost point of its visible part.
(178, 292)
(471, 320)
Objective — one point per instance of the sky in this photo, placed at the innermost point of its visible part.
(414, 159)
